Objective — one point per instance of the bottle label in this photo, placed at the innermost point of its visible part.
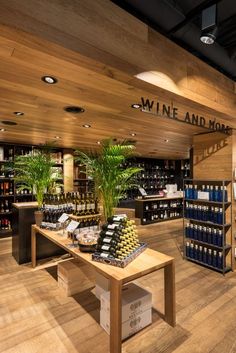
(111, 226)
(107, 240)
(105, 247)
(79, 208)
(109, 233)
(104, 255)
(83, 207)
(92, 205)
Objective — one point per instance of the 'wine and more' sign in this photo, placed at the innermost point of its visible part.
(171, 112)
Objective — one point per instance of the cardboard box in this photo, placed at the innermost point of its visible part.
(69, 288)
(129, 327)
(75, 276)
(102, 285)
(135, 300)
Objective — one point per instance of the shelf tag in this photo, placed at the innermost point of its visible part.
(72, 226)
(63, 218)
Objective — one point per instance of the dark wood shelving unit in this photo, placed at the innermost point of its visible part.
(19, 149)
(226, 226)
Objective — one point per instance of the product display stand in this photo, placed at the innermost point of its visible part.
(148, 262)
(207, 223)
(154, 210)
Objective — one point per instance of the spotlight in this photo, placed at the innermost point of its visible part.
(136, 106)
(49, 79)
(209, 27)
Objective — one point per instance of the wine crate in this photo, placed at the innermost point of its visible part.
(136, 310)
(120, 263)
(102, 285)
(74, 276)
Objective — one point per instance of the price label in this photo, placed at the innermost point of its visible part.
(72, 226)
(63, 218)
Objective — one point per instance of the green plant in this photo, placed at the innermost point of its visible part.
(36, 172)
(106, 168)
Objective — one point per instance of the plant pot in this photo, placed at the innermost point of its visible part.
(38, 217)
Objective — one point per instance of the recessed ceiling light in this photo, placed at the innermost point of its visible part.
(18, 113)
(7, 122)
(74, 109)
(99, 142)
(57, 137)
(133, 134)
(49, 79)
(86, 125)
(166, 140)
(136, 106)
(2, 130)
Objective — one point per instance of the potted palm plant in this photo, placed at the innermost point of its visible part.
(36, 172)
(106, 167)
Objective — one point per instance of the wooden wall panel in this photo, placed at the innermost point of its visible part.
(102, 31)
(212, 158)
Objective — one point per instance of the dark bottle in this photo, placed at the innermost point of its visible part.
(204, 256)
(106, 255)
(220, 260)
(220, 238)
(204, 234)
(214, 258)
(191, 251)
(209, 235)
(195, 252)
(200, 253)
(187, 249)
(215, 237)
(107, 240)
(191, 231)
(200, 235)
(220, 216)
(209, 257)
(187, 228)
(211, 193)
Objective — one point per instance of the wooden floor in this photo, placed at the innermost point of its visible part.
(36, 317)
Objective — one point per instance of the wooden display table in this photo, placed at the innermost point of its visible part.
(147, 262)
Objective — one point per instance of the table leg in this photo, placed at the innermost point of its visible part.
(115, 316)
(33, 247)
(169, 278)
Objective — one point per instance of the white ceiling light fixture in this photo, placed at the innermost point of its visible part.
(209, 26)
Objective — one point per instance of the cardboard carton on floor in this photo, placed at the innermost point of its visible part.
(75, 276)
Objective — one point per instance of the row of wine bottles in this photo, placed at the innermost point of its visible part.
(5, 206)
(205, 255)
(5, 224)
(73, 202)
(204, 213)
(118, 238)
(50, 220)
(161, 215)
(6, 188)
(214, 193)
(154, 205)
(205, 234)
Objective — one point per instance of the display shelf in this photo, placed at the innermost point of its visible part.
(163, 209)
(223, 270)
(225, 247)
(220, 188)
(209, 223)
(160, 220)
(77, 218)
(208, 202)
(5, 231)
(5, 196)
(5, 213)
(10, 151)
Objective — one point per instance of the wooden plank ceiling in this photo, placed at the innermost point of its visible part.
(106, 93)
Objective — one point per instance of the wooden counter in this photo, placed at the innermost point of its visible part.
(33, 204)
